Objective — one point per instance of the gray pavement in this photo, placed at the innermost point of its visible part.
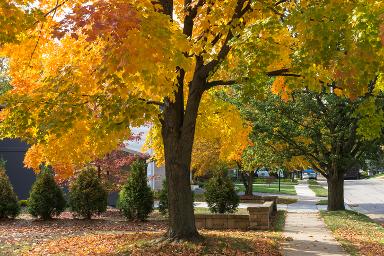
(305, 231)
(307, 235)
(365, 196)
(306, 199)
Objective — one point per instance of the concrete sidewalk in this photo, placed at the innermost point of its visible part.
(305, 231)
(307, 234)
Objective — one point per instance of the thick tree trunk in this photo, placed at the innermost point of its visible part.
(335, 182)
(178, 129)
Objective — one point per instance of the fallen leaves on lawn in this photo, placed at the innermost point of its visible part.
(356, 232)
(142, 243)
(88, 244)
(24, 233)
(110, 234)
(229, 242)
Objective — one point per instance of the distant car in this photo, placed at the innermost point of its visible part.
(309, 174)
(262, 174)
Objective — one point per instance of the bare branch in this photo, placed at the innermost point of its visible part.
(153, 102)
(220, 82)
(282, 72)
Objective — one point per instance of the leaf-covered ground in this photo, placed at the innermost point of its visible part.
(110, 234)
(358, 234)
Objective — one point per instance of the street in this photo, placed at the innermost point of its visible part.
(366, 196)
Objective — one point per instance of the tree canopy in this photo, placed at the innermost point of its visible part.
(327, 130)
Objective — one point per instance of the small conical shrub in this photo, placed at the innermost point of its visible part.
(46, 198)
(163, 199)
(9, 207)
(87, 194)
(220, 194)
(136, 198)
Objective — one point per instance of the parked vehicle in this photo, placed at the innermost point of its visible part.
(352, 174)
(262, 174)
(309, 174)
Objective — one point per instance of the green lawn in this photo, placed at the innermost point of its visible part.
(376, 176)
(317, 189)
(284, 200)
(271, 188)
(357, 233)
(322, 202)
(275, 181)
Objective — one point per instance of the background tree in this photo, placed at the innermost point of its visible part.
(114, 167)
(324, 128)
(80, 83)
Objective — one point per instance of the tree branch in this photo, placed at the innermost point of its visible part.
(282, 72)
(225, 48)
(158, 103)
(211, 84)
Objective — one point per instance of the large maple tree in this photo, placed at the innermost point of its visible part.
(86, 72)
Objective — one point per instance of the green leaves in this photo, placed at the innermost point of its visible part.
(87, 194)
(371, 119)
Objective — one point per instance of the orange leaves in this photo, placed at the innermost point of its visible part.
(107, 243)
(89, 244)
(102, 18)
(279, 88)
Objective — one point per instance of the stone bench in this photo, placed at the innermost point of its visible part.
(259, 218)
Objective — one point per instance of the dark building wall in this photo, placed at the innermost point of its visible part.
(13, 151)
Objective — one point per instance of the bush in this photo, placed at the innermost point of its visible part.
(9, 207)
(87, 194)
(23, 203)
(136, 198)
(163, 199)
(220, 194)
(46, 198)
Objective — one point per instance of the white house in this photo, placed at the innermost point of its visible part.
(156, 175)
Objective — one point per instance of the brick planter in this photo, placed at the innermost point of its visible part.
(222, 221)
(259, 218)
